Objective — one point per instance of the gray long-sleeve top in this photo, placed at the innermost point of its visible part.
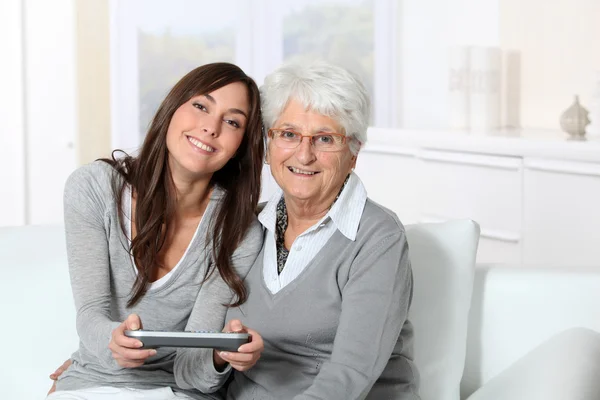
(102, 276)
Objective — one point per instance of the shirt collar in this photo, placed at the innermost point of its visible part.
(345, 213)
(268, 215)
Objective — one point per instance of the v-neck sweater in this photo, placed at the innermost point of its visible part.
(339, 330)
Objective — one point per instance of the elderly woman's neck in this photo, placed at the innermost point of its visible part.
(302, 214)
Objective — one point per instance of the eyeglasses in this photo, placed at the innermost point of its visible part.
(288, 139)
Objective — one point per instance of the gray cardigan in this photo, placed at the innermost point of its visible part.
(102, 275)
(340, 329)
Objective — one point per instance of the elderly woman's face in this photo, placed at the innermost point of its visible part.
(306, 174)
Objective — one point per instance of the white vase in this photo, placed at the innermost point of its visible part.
(458, 88)
(484, 103)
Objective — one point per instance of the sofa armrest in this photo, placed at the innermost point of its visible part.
(516, 308)
(565, 367)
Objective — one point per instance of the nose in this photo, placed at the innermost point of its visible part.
(211, 125)
(305, 152)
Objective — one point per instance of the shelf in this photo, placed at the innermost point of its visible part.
(512, 143)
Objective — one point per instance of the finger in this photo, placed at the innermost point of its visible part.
(242, 367)
(61, 369)
(237, 358)
(251, 347)
(256, 343)
(52, 389)
(118, 337)
(235, 325)
(121, 340)
(133, 322)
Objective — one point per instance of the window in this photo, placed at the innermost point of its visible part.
(338, 31)
(155, 42)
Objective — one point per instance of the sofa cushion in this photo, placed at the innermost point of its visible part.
(564, 367)
(443, 262)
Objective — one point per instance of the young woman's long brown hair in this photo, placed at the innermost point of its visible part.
(150, 178)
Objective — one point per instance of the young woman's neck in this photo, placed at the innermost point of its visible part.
(192, 196)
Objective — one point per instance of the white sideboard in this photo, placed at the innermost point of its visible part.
(535, 194)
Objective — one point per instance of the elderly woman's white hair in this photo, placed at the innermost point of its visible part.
(321, 87)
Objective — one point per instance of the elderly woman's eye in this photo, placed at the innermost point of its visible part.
(325, 139)
(288, 134)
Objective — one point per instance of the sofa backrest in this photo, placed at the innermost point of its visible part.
(38, 332)
(443, 262)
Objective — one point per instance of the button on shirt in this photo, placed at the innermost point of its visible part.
(344, 216)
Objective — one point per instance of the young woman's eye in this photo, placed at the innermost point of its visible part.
(233, 123)
(199, 106)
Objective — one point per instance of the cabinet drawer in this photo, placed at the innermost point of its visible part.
(487, 189)
(562, 213)
(392, 179)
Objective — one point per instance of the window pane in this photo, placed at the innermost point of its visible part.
(174, 37)
(340, 31)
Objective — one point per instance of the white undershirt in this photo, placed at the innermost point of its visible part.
(127, 200)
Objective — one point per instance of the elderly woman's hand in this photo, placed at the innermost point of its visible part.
(247, 354)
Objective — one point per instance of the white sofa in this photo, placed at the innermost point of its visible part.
(513, 310)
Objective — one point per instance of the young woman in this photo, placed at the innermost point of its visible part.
(163, 240)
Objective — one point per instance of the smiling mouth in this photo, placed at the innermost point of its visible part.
(200, 145)
(301, 171)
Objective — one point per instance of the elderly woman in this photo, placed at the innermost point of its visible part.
(331, 289)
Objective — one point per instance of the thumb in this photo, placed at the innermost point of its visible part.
(133, 322)
(235, 325)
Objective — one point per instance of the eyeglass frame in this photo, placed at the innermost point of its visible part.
(310, 138)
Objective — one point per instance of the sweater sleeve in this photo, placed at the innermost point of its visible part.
(375, 303)
(194, 368)
(88, 258)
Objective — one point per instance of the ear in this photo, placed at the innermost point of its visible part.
(353, 159)
(267, 153)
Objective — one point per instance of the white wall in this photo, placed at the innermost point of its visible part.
(50, 103)
(12, 117)
(38, 113)
(559, 47)
(429, 28)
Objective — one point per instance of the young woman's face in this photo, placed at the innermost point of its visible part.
(206, 131)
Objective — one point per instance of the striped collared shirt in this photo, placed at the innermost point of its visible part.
(344, 216)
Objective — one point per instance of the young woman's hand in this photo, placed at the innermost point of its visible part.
(247, 354)
(125, 350)
(54, 376)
